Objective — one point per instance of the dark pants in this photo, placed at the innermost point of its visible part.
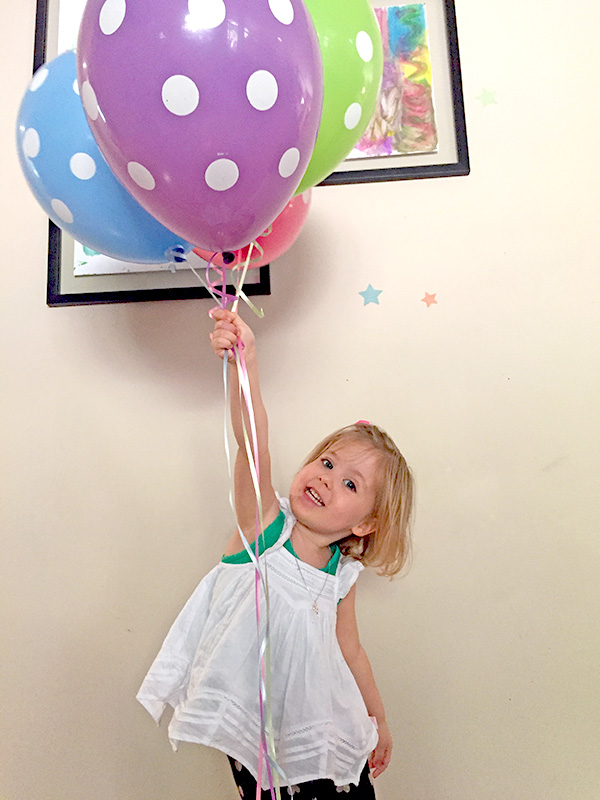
(322, 789)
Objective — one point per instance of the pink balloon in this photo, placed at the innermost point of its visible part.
(207, 111)
(284, 232)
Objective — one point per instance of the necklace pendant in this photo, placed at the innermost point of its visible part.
(315, 607)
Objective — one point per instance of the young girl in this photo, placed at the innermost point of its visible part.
(349, 507)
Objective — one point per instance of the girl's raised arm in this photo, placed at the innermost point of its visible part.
(230, 329)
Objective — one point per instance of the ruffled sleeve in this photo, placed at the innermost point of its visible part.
(348, 571)
(289, 522)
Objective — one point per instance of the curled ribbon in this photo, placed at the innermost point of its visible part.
(218, 288)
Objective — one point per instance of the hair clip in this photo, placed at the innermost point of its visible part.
(362, 422)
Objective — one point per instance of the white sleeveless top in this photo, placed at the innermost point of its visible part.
(207, 670)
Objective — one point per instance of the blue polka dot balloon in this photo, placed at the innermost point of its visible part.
(71, 180)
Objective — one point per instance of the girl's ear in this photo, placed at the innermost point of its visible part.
(365, 528)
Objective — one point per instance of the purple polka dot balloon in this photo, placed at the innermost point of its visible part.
(206, 110)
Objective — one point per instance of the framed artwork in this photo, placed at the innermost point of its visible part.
(418, 131)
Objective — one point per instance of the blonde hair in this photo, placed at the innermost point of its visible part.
(388, 548)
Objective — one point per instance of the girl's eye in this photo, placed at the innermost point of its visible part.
(327, 463)
(350, 485)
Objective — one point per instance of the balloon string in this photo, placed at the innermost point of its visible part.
(242, 278)
(267, 753)
(239, 293)
(267, 741)
(258, 256)
(267, 738)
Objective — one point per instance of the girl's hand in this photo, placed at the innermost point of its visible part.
(230, 329)
(380, 757)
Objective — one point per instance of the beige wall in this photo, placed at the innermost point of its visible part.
(113, 475)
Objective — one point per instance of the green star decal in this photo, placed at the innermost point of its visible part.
(487, 98)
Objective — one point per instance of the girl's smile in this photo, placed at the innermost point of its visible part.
(314, 496)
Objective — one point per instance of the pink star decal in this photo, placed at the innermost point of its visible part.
(429, 300)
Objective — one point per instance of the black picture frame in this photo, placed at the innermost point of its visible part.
(56, 296)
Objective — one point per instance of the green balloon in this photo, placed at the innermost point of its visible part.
(352, 55)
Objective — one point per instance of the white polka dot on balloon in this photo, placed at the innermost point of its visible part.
(305, 197)
(262, 90)
(282, 10)
(222, 174)
(62, 210)
(180, 95)
(205, 14)
(112, 15)
(31, 143)
(76, 87)
(37, 80)
(82, 166)
(288, 164)
(352, 116)
(140, 175)
(90, 103)
(364, 45)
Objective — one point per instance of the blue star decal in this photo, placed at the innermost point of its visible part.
(371, 295)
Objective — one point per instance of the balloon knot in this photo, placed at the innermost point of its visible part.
(175, 255)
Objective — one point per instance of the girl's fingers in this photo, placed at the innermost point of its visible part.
(220, 345)
(377, 769)
(379, 761)
(217, 313)
(223, 325)
(228, 331)
(222, 342)
(225, 352)
(225, 335)
(223, 314)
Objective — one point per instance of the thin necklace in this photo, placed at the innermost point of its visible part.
(315, 604)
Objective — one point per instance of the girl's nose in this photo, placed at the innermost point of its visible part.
(324, 478)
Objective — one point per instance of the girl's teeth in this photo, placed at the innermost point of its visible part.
(315, 496)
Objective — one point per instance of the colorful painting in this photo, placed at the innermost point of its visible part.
(404, 121)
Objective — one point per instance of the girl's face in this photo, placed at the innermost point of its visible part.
(335, 494)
